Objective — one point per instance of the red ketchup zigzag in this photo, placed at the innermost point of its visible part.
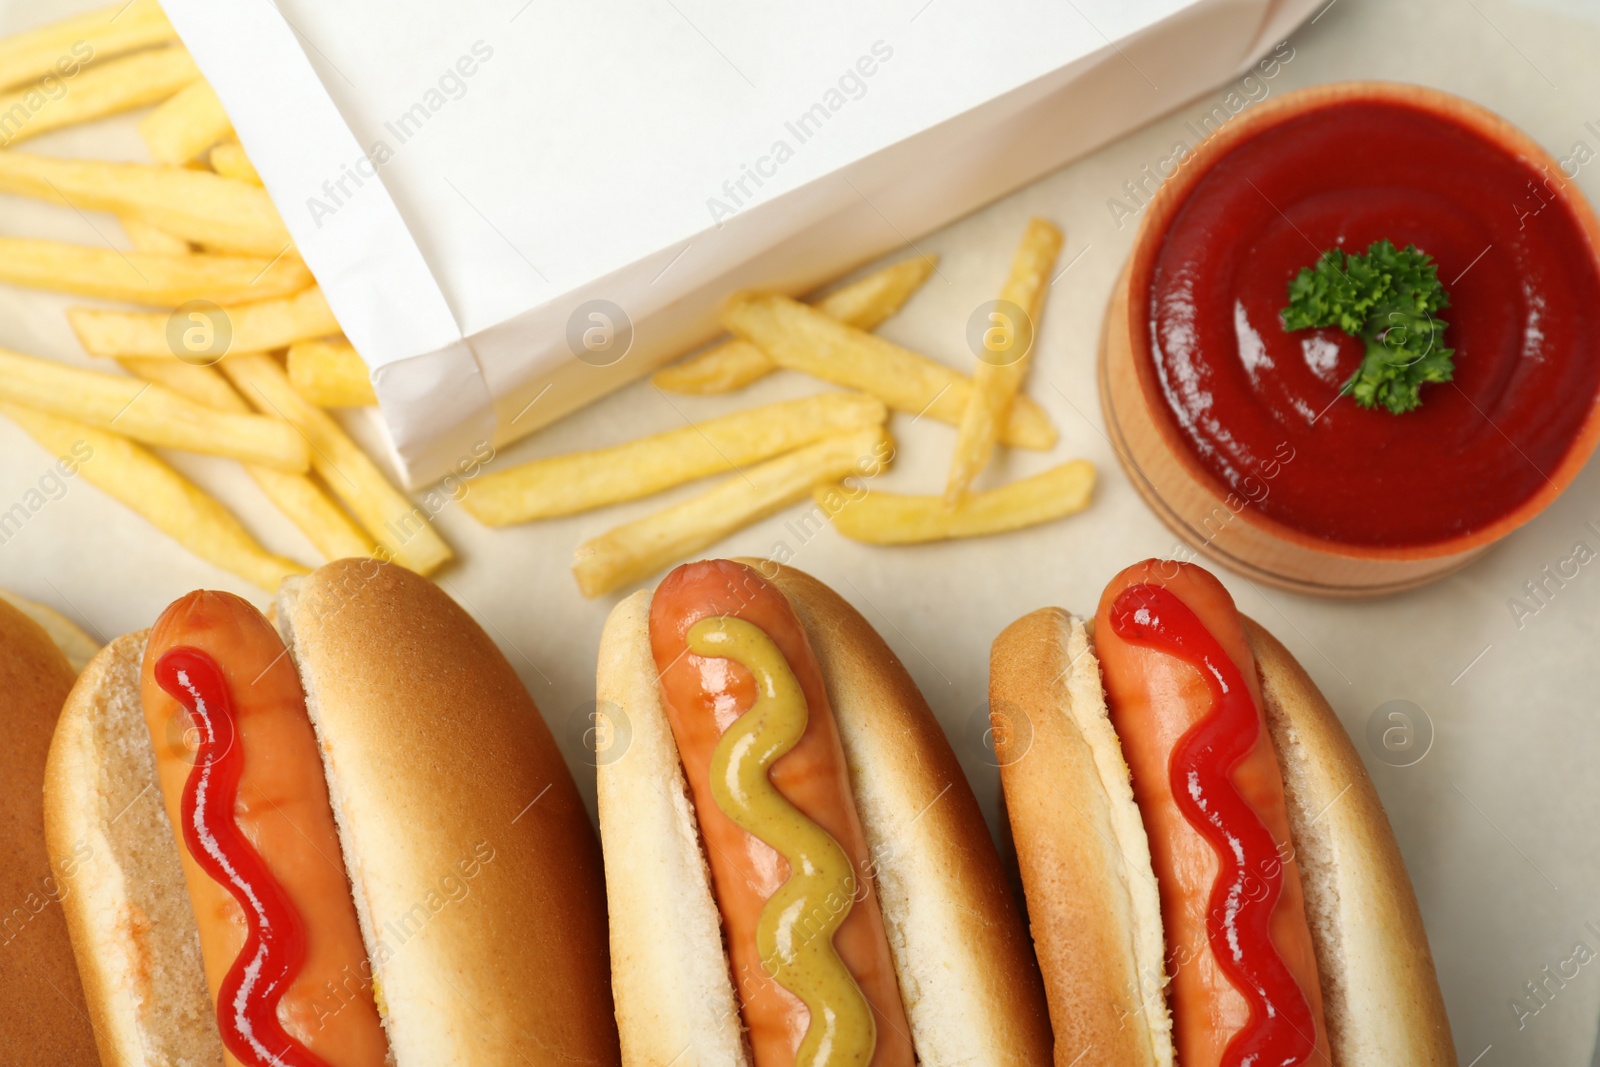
(1281, 1031)
(275, 944)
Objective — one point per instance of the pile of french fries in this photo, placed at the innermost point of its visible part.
(237, 354)
(779, 454)
(213, 262)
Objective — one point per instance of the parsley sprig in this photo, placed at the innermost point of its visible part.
(1388, 298)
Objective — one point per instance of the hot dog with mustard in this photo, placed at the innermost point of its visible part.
(797, 870)
(1210, 878)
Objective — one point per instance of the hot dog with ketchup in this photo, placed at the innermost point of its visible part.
(346, 840)
(797, 870)
(237, 764)
(1210, 878)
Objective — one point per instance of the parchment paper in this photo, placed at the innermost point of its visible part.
(1499, 820)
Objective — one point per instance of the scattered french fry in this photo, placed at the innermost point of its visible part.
(203, 385)
(147, 413)
(302, 500)
(565, 485)
(105, 89)
(331, 374)
(68, 636)
(228, 159)
(61, 48)
(147, 238)
(404, 531)
(735, 363)
(868, 303)
(997, 379)
(892, 519)
(186, 125)
(307, 505)
(256, 327)
(642, 547)
(804, 339)
(726, 366)
(222, 214)
(155, 278)
(171, 503)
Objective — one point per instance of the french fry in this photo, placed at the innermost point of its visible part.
(735, 363)
(146, 238)
(105, 89)
(228, 159)
(186, 125)
(256, 327)
(403, 531)
(197, 205)
(147, 413)
(997, 379)
(642, 547)
(155, 278)
(68, 636)
(804, 339)
(170, 502)
(203, 385)
(726, 366)
(892, 519)
(302, 500)
(868, 303)
(330, 374)
(60, 48)
(307, 505)
(565, 485)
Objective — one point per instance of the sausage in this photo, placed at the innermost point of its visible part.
(282, 810)
(704, 696)
(1156, 698)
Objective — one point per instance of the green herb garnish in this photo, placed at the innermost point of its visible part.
(1388, 298)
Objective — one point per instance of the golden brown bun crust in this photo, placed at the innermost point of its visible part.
(972, 987)
(43, 1018)
(1381, 995)
(437, 757)
(1381, 991)
(1081, 847)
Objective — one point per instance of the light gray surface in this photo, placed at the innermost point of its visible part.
(1497, 821)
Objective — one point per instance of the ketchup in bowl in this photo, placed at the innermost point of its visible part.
(1244, 395)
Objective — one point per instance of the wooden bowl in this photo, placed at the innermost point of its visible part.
(1198, 506)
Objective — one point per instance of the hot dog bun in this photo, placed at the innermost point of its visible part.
(69, 637)
(1092, 895)
(435, 756)
(45, 1020)
(969, 983)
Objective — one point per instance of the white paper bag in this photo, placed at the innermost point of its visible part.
(514, 208)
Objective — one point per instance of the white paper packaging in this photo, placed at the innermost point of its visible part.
(514, 208)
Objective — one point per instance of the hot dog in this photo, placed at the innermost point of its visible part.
(784, 788)
(1210, 878)
(315, 844)
(237, 764)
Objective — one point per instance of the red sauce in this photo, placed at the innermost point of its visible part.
(1524, 322)
(275, 944)
(1281, 1028)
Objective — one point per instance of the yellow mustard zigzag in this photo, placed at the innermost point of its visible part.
(795, 932)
